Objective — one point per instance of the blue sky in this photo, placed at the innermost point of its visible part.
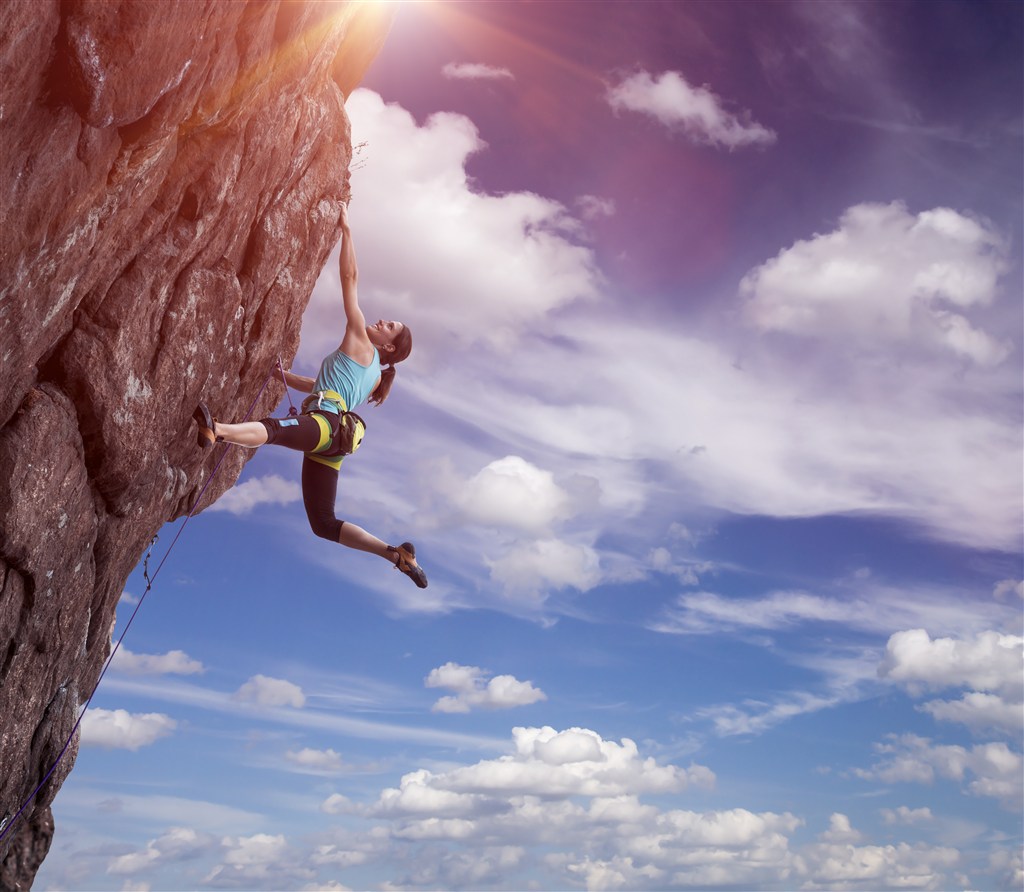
(710, 444)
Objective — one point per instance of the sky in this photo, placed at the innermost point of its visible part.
(710, 444)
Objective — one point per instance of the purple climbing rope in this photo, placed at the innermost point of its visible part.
(291, 406)
(8, 826)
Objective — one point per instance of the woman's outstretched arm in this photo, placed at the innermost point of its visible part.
(299, 382)
(349, 272)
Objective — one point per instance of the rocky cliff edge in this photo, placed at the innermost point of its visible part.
(171, 176)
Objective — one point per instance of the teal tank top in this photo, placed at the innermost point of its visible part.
(351, 380)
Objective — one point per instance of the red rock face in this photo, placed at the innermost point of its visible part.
(171, 176)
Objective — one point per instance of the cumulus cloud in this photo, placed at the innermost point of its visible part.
(979, 712)
(174, 662)
(482, 267)
(547, 564)
(695, 111)
(474, 689)
(886, 275)
(259, 860)
(315, 761)
(840, 830)
(336, 804)
(844, 866)
(987, 661)
(270, 490)
(475, 71)
(512, 493)
(264, 691)
(177, 844)
(989, 769)
(990, 663)
(576, 761)
(120, 729)
(905, 815)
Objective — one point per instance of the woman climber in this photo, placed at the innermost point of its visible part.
(349, 376)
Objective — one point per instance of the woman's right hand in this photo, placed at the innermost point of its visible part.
(344, 217)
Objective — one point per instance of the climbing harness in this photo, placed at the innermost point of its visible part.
(7, 826)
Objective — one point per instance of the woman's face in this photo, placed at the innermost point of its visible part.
(384, 332)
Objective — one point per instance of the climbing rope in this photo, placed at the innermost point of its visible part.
(7, 826)
(291, 406)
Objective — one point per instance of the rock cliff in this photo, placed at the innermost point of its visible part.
(171, 178)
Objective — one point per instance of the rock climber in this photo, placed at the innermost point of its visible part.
(324, 432)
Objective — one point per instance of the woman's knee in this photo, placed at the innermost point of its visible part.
(325, 526)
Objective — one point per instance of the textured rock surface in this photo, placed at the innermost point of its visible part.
(171, 179)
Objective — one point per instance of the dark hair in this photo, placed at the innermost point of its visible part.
(403, 347)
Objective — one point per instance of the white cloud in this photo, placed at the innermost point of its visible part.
(591, 207)
(514, 494)
(840, 830)
(756, 717)
(990, 663)
(336, 804)
(989, 769)
(886, 276)
(905, 815)
(473, 689)
(317, 761)
(120, 729)
(979, 712)
(264, 691)
(1010, 587)
(842, 866)
(177, 844)
(701, 613)
(174, 662)
(660, 559)
(696, 111)
(475, 71)
(261, 860)
(547, 564)
(861, 604)
(474, 267)
(573, 762)
(987, 661)
(270, 490)
(1010, 866)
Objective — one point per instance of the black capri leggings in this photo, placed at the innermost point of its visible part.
(319, 481)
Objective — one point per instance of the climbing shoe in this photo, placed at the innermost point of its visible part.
(407, 563)
(206, 436)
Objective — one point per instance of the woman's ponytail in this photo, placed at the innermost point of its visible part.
(387, 378)
(403, 347)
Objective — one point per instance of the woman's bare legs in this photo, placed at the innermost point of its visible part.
(356, 537)
(247, 433)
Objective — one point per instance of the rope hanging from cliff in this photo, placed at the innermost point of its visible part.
(9, 825)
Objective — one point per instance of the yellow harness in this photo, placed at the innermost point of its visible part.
(315, 411)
